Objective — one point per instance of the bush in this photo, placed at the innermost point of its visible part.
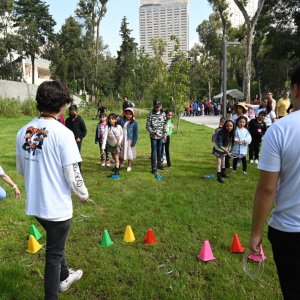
(10, 108)
(29, 108)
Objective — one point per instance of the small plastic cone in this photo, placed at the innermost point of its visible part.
(236, 246)
(106, 240)
(34, 231)
(206, 252)
(256, 258)
(150, 238)
(33, 245)
(129, 236)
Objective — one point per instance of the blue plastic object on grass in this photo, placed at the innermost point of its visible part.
(158, 176)
(208, 176)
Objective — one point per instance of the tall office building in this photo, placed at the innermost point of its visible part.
(161, 19)
(235, 15)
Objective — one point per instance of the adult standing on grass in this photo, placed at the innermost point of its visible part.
(8, 180)
(156, 125)
(50, 172)
(279, 183)
(76, 124)
(282, 105)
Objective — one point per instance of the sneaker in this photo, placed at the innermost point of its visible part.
(233, 171)
(256, 161)
(244, 173)
(103, 163)
(160, 168)
(121, 166)
(128, 169)
(251, 161)
(154, 172)
(108, 163)
(73, 277)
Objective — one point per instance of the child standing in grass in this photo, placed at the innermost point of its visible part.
(242, 139)
(169, 131)
(113, 135)
(224, 143)
(130, 137)
(99, 139)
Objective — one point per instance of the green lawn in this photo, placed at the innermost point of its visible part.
(182, 209)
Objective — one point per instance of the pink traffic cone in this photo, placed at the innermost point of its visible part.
(255, 257)
(206, 253)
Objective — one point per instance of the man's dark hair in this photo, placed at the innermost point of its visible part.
(262, 112)
(73, 107)
(295, 77)
(51, 96)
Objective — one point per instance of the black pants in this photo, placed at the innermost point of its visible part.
(254, 148)
(244, 163)
(286, 253)
(166, 147)
(227, 161)
(104, 156)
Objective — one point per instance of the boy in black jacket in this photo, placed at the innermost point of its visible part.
(257, 128)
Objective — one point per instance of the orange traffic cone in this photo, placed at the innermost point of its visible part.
(236, 245)
(256, 257)
(33, 245)
(129, 236)
(206, 253)
(150, 238)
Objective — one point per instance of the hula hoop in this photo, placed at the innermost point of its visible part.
(23, 264)
(91, 214)
(257, 274)
(233, 155)
(168, 267)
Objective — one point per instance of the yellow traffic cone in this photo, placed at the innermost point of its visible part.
(129, 236)
(33, 245)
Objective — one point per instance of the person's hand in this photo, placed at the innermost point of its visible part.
(102, 151)
(84, 200)
(17, 192)
(78, 140)
(118, 144)
(158, 134)
(254, 244)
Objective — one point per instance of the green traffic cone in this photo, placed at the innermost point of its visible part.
(34, 231)
(106, 240)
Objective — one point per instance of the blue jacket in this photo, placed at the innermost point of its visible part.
(132, 131)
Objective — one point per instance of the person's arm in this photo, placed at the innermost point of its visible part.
(104, 139)
(263, 202)
(75, 180)
(121, 134)
(248, 105)
(135, 134)
(82, 129)
(8, 180)
(148, 125)
(97, 135)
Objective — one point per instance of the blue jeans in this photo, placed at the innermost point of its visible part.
(2, 193)
(56, 269)
(156, 145)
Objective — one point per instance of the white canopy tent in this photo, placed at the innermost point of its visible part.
(233, 93)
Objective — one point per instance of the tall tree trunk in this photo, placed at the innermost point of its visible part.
(32, 66)
(248, 59)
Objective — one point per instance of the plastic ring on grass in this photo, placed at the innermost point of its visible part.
(22, 262)
(168, 267)
(259, 271)
(84, 203)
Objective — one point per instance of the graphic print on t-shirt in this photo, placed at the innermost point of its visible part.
(34, 139)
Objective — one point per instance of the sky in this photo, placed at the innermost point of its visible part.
(199, 10)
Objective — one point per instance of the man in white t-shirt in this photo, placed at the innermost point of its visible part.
(270, 96)
(47, 157)
(279, 184)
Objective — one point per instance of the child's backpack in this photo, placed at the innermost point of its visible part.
(215, 135)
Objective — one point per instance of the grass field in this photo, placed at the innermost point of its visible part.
(182, 209)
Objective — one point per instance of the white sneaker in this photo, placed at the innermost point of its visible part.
(256, 161)
(238, 164)
(73, 277)
(251, 161)
(121, 166)
(128, 169)
(233, 172)
(103, 163)
(244, 173)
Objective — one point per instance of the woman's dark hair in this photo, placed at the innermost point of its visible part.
(228, 137)
(113, 116)
(168, 111)
(51, 96)
(269, 107)
(241, 118)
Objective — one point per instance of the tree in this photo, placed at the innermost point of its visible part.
(35, 27)
(126, 60)
(250, 24)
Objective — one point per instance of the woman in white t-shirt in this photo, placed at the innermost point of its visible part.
(266, 105)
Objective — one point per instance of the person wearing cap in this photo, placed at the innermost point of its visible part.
(278, 189)
(76, 124)
(266, 105)
(156, 125)
(8, 180)
(238, 111)
(130, 137)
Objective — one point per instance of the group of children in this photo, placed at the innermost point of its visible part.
(118, 137)
(232, 139)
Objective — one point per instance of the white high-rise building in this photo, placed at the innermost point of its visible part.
(235, 15)
(161, 19)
